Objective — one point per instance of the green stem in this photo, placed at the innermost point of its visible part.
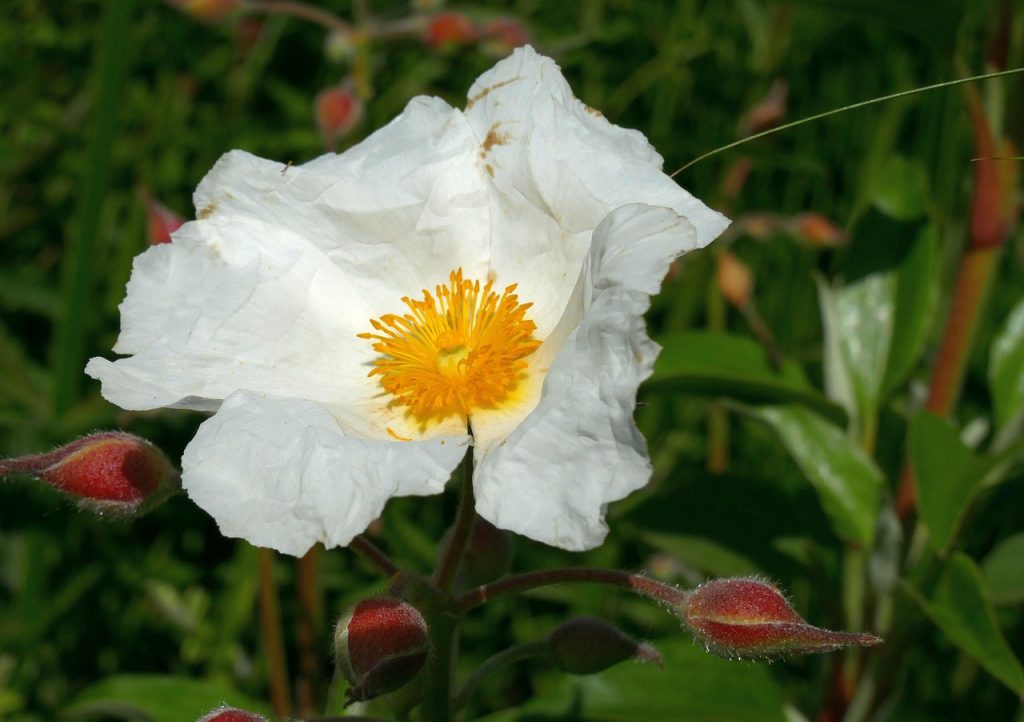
(80, 257)
(437, 698)
(637, 583)
(465, 518)
(498, 662)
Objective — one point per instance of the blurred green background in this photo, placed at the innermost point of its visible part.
(101, 100)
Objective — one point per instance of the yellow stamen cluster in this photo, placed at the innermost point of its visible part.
(460, 349)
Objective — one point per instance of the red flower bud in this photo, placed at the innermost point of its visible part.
(445, 30)
(503, 35)
(338, 110)
(207, 11)
(108, 472)
(749, 618)
(161, 221)
(230, 714)
(585, 645)
(380, 646)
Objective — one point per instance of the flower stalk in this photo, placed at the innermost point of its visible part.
(461, 531)
(273, 638)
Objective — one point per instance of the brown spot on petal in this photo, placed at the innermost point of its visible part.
(593, 111)
(208, 210)
(486, 91)
(495, 137)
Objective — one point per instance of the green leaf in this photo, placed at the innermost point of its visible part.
(711, 558)
(1006, 368)
(847, 480)
(718, 364)
(901, 188)
(948, 475)
(862, 322)
(1004, 571)
(694, 687)
(156, 698)
(960, 607)
(917, 293)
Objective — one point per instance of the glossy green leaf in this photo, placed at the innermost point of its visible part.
(846, 479)
(1006, 368)
(961, 608)
(719, 364)
(948, 475)
(916, 297)
(1004, 571)
(694, 687)
(155, 698)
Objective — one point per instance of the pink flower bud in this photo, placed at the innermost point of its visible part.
(207, 11)
(230, 714)
(750, 618)
(108, 472)
(585, 645)
(338, 110)
(380, 646)
(503, 35)
(161, 221)
(445, 30)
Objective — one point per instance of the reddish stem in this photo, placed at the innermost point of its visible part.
(372, 553)
(309, 633)
(273, 639)
(637, 583)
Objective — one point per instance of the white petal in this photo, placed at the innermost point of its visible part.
(557, 168)
(284, 474)
(579, 449)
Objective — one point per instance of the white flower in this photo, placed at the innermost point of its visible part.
(281, 309)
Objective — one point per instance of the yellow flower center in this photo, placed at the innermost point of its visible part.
(460, 349)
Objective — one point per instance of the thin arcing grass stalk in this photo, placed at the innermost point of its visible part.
(273, 639)
(79, 263)
(836, 111)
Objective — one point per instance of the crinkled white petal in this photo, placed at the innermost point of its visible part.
(556, 168)
(284, 474)
(579, 449)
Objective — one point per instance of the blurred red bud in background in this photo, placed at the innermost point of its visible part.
(161, 221)
(207, 11)
(446, 30)
(338, 110)
(503, 35)
(107, 472)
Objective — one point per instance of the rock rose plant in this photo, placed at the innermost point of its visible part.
(462, 287)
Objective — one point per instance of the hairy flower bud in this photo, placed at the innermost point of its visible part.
(585, 645)
(230, 714)
(445, 30)
(751, 619)
(380, 646)
(107, 472)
